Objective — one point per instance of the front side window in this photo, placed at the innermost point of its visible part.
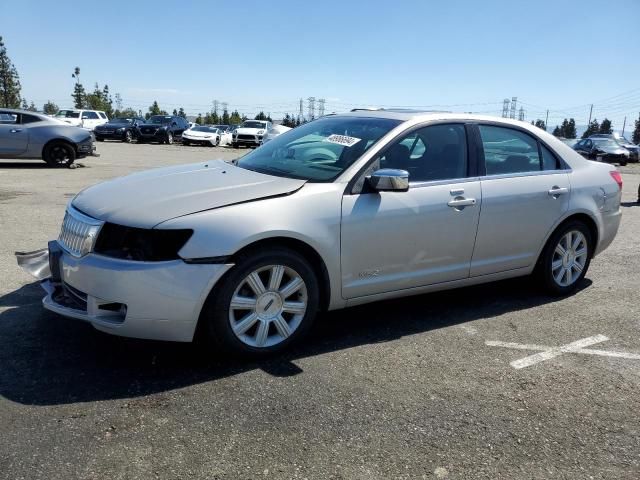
(90, 115)
(437, 152)
(318, 151)
(159, 120)
(507, 150)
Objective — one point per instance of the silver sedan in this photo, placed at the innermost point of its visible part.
(345, 210)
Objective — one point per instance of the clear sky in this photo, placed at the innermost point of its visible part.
(454, 55)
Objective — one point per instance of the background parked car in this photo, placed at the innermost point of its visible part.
(162, 129)
(634, 150)
(250, 133)
(226, 136)
(204, 135)
(121, 128)
(602, 150)
(275, 131)
(35, 135)
(88, 119)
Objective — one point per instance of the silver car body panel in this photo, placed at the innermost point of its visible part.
(372, 246)
(148, 198)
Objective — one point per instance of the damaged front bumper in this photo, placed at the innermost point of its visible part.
(152, 300)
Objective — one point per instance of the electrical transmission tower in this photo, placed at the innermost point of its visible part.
(521, 114)
(215, 107)
(301, 112)
(321, 107)
(311, 107)
(225, 107)
(505, 108)
(512, 113)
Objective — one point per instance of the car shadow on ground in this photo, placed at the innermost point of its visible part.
(630, 204)
(46, 359)
(25, 164)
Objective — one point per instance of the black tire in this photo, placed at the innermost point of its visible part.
(218, 142)
(544, 269)
(140, 140)
(99, 139)
(234, 145)
(214, 322)
(128, 137)
(169, 139)
(623, 163)
(186, 142)
(59, 154)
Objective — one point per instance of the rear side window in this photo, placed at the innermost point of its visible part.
(90, 115)
(549, 161)
(509, 151)
(26, 118)
(102, 115)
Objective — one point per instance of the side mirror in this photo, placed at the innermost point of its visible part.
(389, 180)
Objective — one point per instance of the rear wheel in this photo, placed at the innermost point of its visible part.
(566, 258)
(266, 302)
(99, 139)
(128, 137)
(169, 138)
(59, 154)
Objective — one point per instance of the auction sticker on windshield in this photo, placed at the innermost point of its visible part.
(342, 140)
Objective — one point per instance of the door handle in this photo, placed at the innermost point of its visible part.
(462, 202)
(557, 191)
(15, 130)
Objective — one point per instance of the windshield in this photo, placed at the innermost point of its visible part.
(68, 114)
(221, 127)
(318, 151)
(250, 124)
(605, 142)
(203, 129)
(159, 119)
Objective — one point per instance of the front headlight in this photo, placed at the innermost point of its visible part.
(120, 130)
(260, 132)
(140, 244)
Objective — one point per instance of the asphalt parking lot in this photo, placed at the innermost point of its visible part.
(435, 386)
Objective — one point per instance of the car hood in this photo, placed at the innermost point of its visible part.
(148, 198)
(114, 125)
(612, 150)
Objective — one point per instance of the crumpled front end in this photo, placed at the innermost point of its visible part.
(159, 300)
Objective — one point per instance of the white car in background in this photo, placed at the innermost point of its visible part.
(202, 135)
(275, 131)
(87, 119)
(251, 133)
(226, 136)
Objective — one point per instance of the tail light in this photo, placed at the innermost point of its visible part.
(617, 177)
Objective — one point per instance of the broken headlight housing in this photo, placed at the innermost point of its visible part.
(140, 244)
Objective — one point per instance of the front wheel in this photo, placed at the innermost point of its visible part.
(234, 145)
(169, 139)
(266, 302)
(566, 258)
(128, 137)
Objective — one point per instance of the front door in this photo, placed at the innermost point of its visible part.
(14, 137)
(398, 240)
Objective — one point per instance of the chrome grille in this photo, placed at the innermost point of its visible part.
(78, 232)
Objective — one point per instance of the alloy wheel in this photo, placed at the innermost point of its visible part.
(569, 258)
(268, 306)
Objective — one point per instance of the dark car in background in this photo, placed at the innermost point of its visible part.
(602, 150)
(634, 150)
(120, 128)
(162, 129)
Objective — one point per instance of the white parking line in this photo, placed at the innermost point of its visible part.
(547, 353)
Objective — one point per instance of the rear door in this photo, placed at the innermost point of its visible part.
(14, 137)
(524, 192)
